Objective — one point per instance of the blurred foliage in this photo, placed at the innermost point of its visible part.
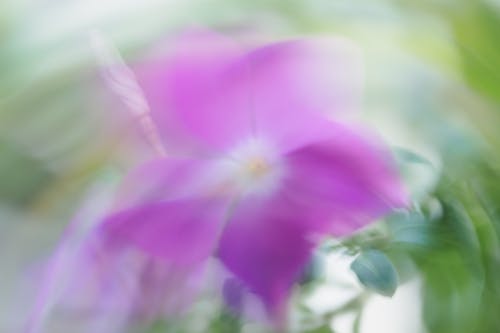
(26, 175)
(475, 26)
(462, 288)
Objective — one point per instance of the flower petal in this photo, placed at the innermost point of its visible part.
(208, 95)
(182, 231)
(162, 179)
(298, 83)
(193, 95)
(266, 246)
(349, 178)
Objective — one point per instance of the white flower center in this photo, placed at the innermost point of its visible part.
(254, 167)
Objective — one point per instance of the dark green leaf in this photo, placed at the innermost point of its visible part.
(376, 272)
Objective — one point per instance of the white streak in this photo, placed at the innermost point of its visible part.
(123, 82)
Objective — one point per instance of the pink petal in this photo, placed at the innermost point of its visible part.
(100, 284)
(298, 83)
(180, 231)
(208, 95)
(193, 95)
(349, 178)
(266, 246)
(161, 179)
(107, 287)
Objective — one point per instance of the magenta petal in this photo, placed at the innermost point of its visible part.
(296, 84)
(266, 246)
(163, 179)
(100, 282)
(208, 94)
(180, 231)
(349, 178)
(193, 95)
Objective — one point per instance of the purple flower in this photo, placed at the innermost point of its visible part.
(103, 287)
(259, 167)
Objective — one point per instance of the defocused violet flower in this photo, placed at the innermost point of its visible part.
(104, 287)
(257, 169)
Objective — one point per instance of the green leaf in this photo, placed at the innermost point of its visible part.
(158, 327)
(321, 329)
(476, 33)
(451, 294)
(225, 322)
(375, 271)
(22, 177)
(454, 275)
(407, 156)
(420, 175)
(411, 230)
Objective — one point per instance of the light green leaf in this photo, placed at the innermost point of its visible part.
(412, 230)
